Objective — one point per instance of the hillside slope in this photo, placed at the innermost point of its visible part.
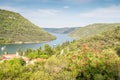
(15, 28)
(108, 39)
(91, 30)
(93, 58)
(60, 30)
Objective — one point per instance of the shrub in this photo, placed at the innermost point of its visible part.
(118, 49)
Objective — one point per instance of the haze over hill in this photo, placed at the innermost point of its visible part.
(15, 28)
(93, 29)
(60, 30)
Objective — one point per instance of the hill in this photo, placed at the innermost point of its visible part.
(93, 58)
(97, 57)
(14, 28)
(93, 29)
(60, 30)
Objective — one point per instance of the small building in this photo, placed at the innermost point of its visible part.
(9, 56)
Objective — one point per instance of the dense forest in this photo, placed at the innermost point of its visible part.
(15, 28)
(91, 58)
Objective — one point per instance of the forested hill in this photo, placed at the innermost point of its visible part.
(15, 28)
(60, 30)
(93, 58)
(93, 29)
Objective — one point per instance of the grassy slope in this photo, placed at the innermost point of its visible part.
(60, 30)
(92, 30)
(15, 28)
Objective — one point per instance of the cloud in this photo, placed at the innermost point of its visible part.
(79, 1)
(109, 12)
(48, 12)
(66, 7)
(42, 17)
(55, 1)
(83, 1)
(42, 12)
(49, 17)
(10, 8)
(33, 0)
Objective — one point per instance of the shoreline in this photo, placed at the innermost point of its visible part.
(20, 42)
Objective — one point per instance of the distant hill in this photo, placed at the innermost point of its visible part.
(14, 28)
(93, 29)
(60, 30)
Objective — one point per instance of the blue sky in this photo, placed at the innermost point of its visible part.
(65, 13)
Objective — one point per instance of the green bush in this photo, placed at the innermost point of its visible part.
(118, 49)
(12, 69)
(44, 56)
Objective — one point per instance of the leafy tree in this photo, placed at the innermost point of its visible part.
(20, 52)
(27, 51)
(48, 50)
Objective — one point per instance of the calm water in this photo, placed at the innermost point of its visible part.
(12, 48)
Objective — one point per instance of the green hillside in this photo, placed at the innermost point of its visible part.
(60, 30)
(15, 28)
(93, 29)
(93, 58)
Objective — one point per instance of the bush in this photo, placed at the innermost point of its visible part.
(118, 49)
(11, 70)
(44, 56)
(98, 77)
(33, 55)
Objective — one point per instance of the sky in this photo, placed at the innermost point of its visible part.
(65, 13)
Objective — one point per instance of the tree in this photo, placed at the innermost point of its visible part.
(48, 50)
(27, 51)
(20, 52)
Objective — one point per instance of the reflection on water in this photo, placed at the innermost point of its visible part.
(12, 48)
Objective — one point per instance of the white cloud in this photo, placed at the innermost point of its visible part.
(10, 8)
(30, 0)
(59, 18)
(66, 7)
(42, 17)
(80, 1)
(48, 12)
(109, 12)
(83, 1)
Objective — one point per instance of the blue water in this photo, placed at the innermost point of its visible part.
(12, 48)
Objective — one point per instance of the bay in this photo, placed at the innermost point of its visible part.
(12, 48)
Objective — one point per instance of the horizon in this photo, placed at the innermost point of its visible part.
(65, 13)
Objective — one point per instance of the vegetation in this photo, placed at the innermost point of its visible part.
(93, 58)
(60, 30)
(93, 29)
(15, 28)
(39, 53)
